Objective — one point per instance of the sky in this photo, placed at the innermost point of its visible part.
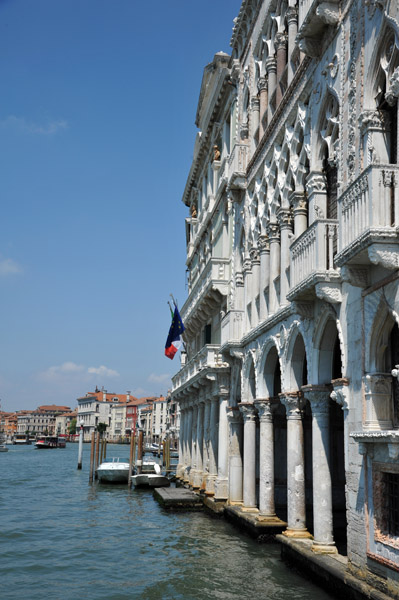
(97, 130)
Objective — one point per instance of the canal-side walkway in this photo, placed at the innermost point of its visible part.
(330, 571)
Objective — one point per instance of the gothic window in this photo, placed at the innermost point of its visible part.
(208, 334)
(329, 132)
(394, 360)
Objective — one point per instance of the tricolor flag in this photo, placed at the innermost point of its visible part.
(174, 341)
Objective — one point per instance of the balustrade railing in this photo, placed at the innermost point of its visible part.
(371, 202)
(313, 251)
(208, 356)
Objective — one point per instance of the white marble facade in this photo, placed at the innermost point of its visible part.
(289, 391)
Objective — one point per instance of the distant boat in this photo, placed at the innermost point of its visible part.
(113, 471)
(21, 439)
(3, 448)
(50, 441)
(152, 448)
(150, 476)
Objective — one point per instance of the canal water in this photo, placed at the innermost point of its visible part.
(63, 539)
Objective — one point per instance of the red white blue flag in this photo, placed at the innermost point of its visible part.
(174, 341)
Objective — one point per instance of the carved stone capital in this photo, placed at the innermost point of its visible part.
(273, 232)
(265, 411)
(377, 383)
(292, 15)
(340, 393)
(304, 309)
(373, 119)
(316, 182)
(280, 41)
(239, 279)
(294, 404)
(248, 411)
(392, 93)
(319, 398)
(385, 255)
(263, 244)
(247, 264)
(331, 292)
(298, 201)
(255, 104)
(262, 84)
(254, 254)
(308, 45)
(284, 218)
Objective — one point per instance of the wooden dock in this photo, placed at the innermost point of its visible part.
(178, 499)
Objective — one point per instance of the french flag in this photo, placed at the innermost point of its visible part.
(174, 341)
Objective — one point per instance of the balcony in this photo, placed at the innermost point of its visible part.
(232, 326)
(312, 260)
(368, 214)
(206, 287)
(237, 166)
(314, 17)
(207, 357)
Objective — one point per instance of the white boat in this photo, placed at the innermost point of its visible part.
(150, 476)
(3, 448)
(113, 471)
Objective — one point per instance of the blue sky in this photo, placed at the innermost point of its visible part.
(97, 133)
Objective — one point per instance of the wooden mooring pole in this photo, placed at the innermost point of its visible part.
(140, 452)
(80, 453)
(97, 455)
(92, 448)
(132, 440)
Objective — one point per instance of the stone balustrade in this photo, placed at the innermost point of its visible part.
(216, 269)
(208, 356)
(369, 208)
(313, 252)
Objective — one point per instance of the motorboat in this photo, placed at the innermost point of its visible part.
(3, 448)
(149, 476)
(113, 471)
(152, 449)
(50, 441)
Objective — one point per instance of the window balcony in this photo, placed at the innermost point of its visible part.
(314, 17)
(312, 261)
(237, 166)
(368, 213)
(207, 357)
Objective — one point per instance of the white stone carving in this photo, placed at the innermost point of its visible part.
(331, 292)
(385, 255)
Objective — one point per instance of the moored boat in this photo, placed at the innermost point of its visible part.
(114, 471)
(3, 448)
(150, 476)
(21, 439)
(50, 441)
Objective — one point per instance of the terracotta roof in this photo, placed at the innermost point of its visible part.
(53, 407)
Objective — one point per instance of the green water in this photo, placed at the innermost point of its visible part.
(63, 539)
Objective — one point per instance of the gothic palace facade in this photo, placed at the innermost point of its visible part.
(289, 390)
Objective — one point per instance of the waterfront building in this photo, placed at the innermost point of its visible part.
(40, 421)
(117, 424)
(159, 415)
(172, 420)
(63, 422)
(289, 391)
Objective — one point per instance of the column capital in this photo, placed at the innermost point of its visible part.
(292, 15)
(318, 396)
(271, 65)
(264, 408)
(234, 415)
(263, 244)
(294, 403)
(273, 232)
(284, 218)
(298, 201)
(254, 254)
(248, 411)
(340, 393)
(280, 41)
(262, 84)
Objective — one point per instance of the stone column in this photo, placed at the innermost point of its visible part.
(294, 403)
(255, 267)
(199, 474)
(221, 483)
(235, 462)
(340, 395)
(319, 398)
(188, 442)
(292, 20)
(213, 446)
(206, 443)
(273, 232)
(271, 68)
(263, 244)
(194, 445)
(280, 42)
(284, 219)
(378, 392)
(247, 291)
(266, 460)
(254, 120)
(298, 201)
(249, 468)
(180, 466)
(262, 87)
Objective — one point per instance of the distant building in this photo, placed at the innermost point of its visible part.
(159, 415)
(63, 421)
(40, 421)
(103, 407)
